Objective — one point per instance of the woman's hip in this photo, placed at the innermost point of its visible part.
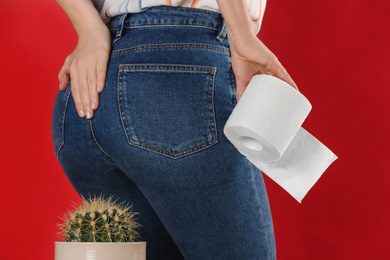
(170, 94)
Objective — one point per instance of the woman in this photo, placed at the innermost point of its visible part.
(140, 114)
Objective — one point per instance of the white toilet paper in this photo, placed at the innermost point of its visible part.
(265, 126)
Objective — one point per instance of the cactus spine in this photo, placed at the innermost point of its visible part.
(99, 220)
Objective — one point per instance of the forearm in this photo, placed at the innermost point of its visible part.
(238, 23)
(82, 14)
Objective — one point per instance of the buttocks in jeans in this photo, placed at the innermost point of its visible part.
(157, 139)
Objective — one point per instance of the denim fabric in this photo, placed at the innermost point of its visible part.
(157, 139)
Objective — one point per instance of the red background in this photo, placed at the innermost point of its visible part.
(336, 51)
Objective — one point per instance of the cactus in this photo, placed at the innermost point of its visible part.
(99, 220)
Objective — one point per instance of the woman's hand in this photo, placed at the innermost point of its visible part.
(86, 67)
(250, 57)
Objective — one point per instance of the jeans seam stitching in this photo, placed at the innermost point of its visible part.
(262, 217)
(62, 142)
(171, 46)
(168, 24)
(96, 144)
(137, 143)
(211, 110)
(210, 70)
(232, 83)
(213, 105)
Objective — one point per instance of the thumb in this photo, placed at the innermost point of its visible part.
(63, 75)
(240, 88)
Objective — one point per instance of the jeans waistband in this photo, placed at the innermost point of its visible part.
(170, 16)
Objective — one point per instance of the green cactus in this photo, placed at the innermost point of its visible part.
(99, 220)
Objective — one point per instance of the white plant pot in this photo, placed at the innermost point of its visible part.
(100, 250)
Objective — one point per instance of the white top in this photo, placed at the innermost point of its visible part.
(111, 8)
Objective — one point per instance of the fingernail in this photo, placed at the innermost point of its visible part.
(81, 112)
(88, 115)
(93, 105)
(99, 88)
(60, 85)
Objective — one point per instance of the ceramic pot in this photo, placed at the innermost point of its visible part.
(100, 250)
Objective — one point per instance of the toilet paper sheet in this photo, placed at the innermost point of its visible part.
(265, 126)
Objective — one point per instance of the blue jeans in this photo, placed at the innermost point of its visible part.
(157, 139)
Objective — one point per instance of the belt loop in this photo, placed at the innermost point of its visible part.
(222, 32)
(121, 25)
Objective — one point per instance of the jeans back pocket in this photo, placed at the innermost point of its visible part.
(168, 109)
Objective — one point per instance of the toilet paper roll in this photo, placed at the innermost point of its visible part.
(265, 126)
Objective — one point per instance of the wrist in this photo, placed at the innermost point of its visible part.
(237, 40)
(83, 15)
(93, 26)
(96, 31)
(238, 22)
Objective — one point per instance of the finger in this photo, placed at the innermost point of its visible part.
(240, 88)
(282, 73)
(84, 93)
(293, 83)
(63, 75)
(101, 70)
(76, 93)
(93, 94)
